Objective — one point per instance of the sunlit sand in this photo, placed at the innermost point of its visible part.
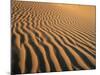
(52, 37)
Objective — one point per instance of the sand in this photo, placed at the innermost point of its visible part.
(52, 37)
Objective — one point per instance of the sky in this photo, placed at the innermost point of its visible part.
(85, 2)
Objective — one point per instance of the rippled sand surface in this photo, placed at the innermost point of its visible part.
(51, 37)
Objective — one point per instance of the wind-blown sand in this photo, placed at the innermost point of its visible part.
(50, 37)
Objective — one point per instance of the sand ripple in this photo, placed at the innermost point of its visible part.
(52, 37)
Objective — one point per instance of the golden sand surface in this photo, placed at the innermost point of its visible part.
(50, 37)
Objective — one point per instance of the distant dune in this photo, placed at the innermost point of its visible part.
(50, 37)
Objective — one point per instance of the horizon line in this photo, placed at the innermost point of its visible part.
(61, 1)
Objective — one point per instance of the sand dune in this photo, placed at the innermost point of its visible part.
(50, 37)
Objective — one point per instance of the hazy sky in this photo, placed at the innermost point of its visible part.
(87, 2)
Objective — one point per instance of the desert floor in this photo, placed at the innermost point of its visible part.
(50, 37)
